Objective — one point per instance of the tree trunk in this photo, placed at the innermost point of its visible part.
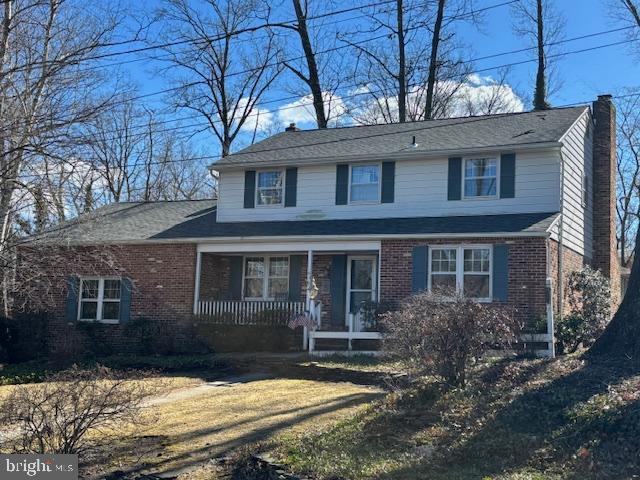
(402, 69)
(540, 94)
(433, 61)
(621, 338)
(313, 78)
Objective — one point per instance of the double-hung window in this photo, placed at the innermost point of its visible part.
(480, 177)
(270, 188)
(364, 184)
(100, 299)
(266, 278)
(461, 269)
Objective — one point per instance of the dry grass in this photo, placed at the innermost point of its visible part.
(187, 432)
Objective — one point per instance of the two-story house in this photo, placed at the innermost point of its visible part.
(499, 207)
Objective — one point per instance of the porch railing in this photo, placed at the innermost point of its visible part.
(236, 312)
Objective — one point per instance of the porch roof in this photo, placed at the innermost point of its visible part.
(193, 221)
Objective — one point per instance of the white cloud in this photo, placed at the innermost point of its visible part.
(302, 113)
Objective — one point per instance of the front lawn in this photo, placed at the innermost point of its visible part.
(518, 419)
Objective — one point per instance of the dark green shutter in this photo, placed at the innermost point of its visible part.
(295, 272)
(125, 299)
(342, 184)
(71, 306)
(249, 189)
(235, 278)
(420, 259)
(508, 175)
(388, 182)
(500, 272)
(338, 289)
(291, 187)
(454, 190)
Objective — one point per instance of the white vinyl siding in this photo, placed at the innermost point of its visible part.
(420, 190)
(578, 159)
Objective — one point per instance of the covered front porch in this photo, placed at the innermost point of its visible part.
(327, 290)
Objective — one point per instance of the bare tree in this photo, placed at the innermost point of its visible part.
(44, 94)
(392, 72)
(628, 167)
(542, 25)
(208, 84)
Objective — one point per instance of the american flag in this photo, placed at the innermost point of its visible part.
(301, 320)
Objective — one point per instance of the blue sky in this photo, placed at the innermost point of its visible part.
(583, 76)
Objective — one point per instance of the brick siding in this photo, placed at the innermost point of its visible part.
(527, 271)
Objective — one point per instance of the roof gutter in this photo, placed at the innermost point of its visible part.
(409, 154)
(303, 238)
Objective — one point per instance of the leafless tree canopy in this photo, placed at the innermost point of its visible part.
(543, 26)
(221, 76)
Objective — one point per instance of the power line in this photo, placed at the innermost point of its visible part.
(213, 158)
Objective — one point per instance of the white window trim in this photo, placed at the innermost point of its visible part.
(464, 177)
(265, 276)
(459, 273)
(257, 188)
(366, 202)
(100, 300)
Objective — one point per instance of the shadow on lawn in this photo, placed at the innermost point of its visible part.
(215, 448)
(540, 425)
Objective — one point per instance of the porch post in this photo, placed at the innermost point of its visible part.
(196, 289)
(308, 301)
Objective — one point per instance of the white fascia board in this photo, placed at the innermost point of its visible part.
(281, 246)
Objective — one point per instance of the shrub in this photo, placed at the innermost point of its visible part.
(442, 335)
(23, 337)
(590, 310)
(372, 312)
(57, 416)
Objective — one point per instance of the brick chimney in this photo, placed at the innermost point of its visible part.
(291, 128)
(605, 251)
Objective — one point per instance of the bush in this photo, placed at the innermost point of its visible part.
(372, 312)
(57, 416)
(23, 337)
(442, 335)
(590, 310)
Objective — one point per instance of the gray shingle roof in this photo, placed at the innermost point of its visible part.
(432, 136)
(179, 221)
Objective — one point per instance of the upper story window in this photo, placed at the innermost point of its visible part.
(365, 183)
(270, 187)
(100, 299)
(266, 278)
(465, 269)
(480, 177)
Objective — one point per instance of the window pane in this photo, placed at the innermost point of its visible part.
(443, 284)
(480, 187)
(279, 267)
(357, 299)
(476, 260)
(270, 180)
(254, 267)
(364, 174)
(112, 289)
(362, 274)
(278, 288)
(269, 196)
(111, 310)
(269, 188)
(476, 286)
(253, 287)
(443, 260)
(90, 289)
(480, 167)
(364, 183)
(89, 310)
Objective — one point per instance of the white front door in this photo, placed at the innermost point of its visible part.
(361, 281)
